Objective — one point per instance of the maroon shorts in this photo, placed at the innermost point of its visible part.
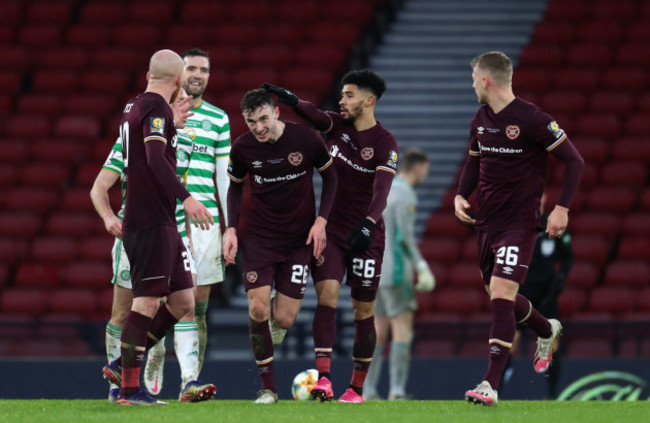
(285, 268)
(159, 262)
(363, 271)
(506, 254)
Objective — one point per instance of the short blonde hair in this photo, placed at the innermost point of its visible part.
(497, 64)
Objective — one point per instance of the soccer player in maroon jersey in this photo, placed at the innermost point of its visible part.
(280, 158)
(509, 143)
(365, 158)
(159, 264)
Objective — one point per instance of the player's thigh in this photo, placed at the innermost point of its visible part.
(402, 326)
(286, 309)
(513, 250)
(330, 265)
(292, 272)
(153, 256)
(208, 255)
(364, 271)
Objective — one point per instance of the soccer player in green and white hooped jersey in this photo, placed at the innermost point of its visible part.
(209, 128)
(186, 332)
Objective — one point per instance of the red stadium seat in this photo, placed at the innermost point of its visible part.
(229, 56)
(11, 12)
(303, 80)
(87, 174)
(100, 12)
(562, 102)
(245, 34)
(590, 55)
(598, 125)
(633, 54)
(631, 173)
(186, 34)
(460, 300)
(585, 80)
(85, 274)
(600, 31)
(632, 148)
(633, 274)
(37, 275)
(58, 82)
(570, 301)
(106, 82)
(150, 12)
(583, 275)
(591, 248)
(139, 34)
(16, 58)
(636, 224)
(119, 60)
(8, 175)
(465, 274)
(252, 78)
(50, 175)
(553, 32)
(10, 82)
(28, 126)
(590, 348)
(446, 224)
(77, 200)
(624, 78)
(613, 300)
(88, 35)
(37, 200)
(30, 301)
(357, 12)
(46, 105)
(6, 35)
(249, 11)
(54, 250)
(634, 248)
(596, 223)
(19, 225)
(612, 199)
(567, 10)
(553, 193)
(40, 36)
(12, 250)
(635, 125)
(589, 174)
(542, 55)
(429, 348)
(624, 11)
(76, 301)
(637, 31)
(77, 127)
(298, 12)
(269, 55)
(199, 11)
(287, 34)
(645, 199)
(594, 150)
(531, 79)
(96, 248)
(324, 55)
(612, 102)
(49, 12)
(440, 249)
(90, 105)
(469, 249)
(335, 32)
(74, 225)
(643, 299)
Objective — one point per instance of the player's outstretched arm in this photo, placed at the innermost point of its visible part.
(321, 121)
(197, 213)
(99, 196)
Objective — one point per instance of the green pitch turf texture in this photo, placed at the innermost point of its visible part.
(222, 411)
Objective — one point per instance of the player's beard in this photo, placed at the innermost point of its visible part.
(194, 92)
(353, 114)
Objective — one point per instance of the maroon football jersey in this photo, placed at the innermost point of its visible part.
(358, 156)
(282, 206)
(513, 146)
(147, 118)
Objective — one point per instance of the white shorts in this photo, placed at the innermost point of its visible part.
(190, 256)
(121, 266)
(207, 253)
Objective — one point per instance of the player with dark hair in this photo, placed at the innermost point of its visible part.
(396, 303)
(280, 158)
(509, 143)
(158, 258)
(365, 158)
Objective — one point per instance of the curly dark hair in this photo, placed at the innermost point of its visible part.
(254, 99)
(365, 78)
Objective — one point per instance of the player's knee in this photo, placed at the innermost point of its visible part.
(259, 311)
(118, 316)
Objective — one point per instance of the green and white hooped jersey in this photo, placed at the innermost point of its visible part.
(115, 163)
(183, 157)
(209, 128)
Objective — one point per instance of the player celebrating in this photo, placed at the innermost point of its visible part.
(279, 157)
(365, 158)
(396, 302)
(158, 258)
(509, 143)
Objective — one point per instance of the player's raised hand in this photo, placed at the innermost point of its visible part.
(230, 246)
(461, 205)
(318, 236)
(181, 109)
(113, 226)
(361, 237)
(557, 222)
(197, 213)
(284, 96)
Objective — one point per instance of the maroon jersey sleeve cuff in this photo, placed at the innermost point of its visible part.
(321, 121)
(469, 176)
(163, 170)
(573, 166)
(328, 192)
(380, 190)
(234, 200)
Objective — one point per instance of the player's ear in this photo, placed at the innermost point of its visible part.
(276, 112)
(148, 76)
(371, 101)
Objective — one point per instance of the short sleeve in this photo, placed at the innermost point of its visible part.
(115, 160)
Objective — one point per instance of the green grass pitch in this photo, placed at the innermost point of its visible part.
(223, 411)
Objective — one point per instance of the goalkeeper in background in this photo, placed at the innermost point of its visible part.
(396, 303)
